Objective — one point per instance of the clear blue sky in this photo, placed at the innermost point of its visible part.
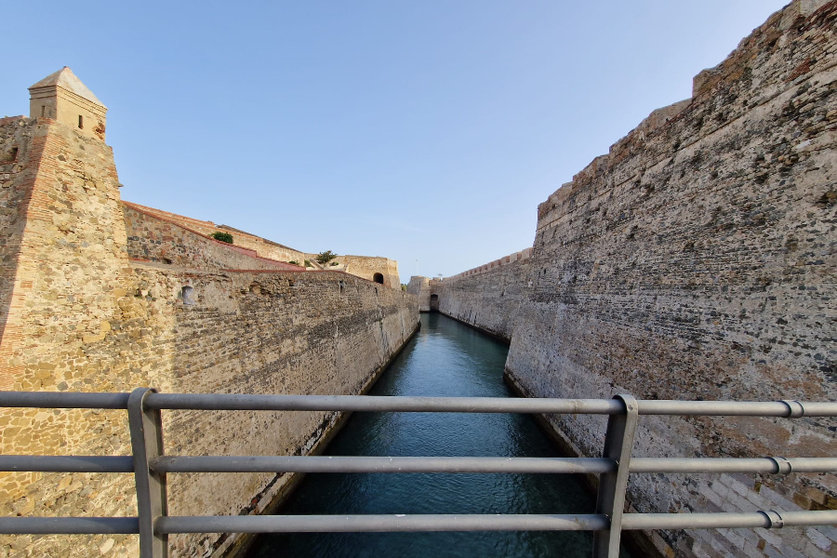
(423, 131)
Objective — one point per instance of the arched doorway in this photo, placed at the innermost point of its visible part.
(378, 278)
(434, 303)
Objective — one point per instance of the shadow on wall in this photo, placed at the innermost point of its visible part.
(434, 303)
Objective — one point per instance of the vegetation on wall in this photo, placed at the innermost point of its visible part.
(223, 237)
(325, 257)
(308, 263)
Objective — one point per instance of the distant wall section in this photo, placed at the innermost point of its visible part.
(261, 246)
(488, 297)
(378, 270)
(152, 237)
(420, 287)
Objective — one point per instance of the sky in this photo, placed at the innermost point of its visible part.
(422, 131)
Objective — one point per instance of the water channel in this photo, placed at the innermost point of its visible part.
(446, 358)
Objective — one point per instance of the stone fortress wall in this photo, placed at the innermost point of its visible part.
(420, 287)
(360, 266)
(696, 260)
(81, 312)
(487, 297)
(261, 246)
(379, 270)
(156, 239)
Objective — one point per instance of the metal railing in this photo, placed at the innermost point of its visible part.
(150, 467)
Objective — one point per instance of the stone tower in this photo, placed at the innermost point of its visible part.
(63, 97)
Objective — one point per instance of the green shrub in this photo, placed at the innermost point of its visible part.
(294, 262)
(308, 263)
(334, 263)
(325, 257)
(222, 236)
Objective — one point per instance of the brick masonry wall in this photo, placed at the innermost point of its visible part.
(16, 178)
(696, 261)
(156, 239)
(80, 316)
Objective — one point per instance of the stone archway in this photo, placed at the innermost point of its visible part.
(378, 278)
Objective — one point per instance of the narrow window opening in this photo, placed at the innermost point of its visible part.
(43, 110)
(187, 294)
(80, 121)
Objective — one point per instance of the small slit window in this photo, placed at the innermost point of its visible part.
(43, 110)
(187, 294)
(80, 121)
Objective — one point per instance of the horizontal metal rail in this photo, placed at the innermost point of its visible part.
(352, 464)
(341, 464)
(483, 522)
(150, 466)
(63, 400)
(411, 523)
(69, 525)
(239, 402)
(67, 463)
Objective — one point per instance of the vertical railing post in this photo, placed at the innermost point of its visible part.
(611, 497)
(147, 443)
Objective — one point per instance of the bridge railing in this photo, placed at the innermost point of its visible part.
(150, 466)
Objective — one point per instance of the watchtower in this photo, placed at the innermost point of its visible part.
(63, 97)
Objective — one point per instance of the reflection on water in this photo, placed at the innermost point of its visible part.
(444, 359)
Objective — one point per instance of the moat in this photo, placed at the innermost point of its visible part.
(446, 358)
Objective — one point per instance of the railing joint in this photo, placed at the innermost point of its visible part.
(774, 519)
(147, 444)
(610, 502)
(795, 408)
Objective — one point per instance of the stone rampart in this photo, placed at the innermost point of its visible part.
(79, 315)
(262, 246)
(156, 239)
(696, 261)
(420, 287)
(380, 270)
(488, 297)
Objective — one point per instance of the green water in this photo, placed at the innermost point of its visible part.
(446, 358)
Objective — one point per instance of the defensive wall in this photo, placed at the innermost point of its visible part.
(261, 246)
(148, 221)
(487, 297)
(696, 260)
(83, 308)
(420, 287)
(154, 238)
(379, 270)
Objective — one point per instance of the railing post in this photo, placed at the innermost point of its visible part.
(611, 497)
(147, 443)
